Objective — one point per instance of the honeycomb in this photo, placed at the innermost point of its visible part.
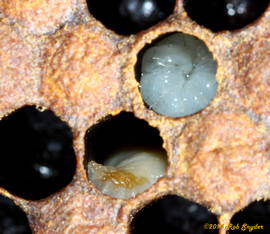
(54, 54)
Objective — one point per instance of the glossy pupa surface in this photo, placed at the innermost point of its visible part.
(178, 76)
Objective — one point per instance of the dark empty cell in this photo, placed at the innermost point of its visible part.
(130, 16)
(225, 14)
(37, 158)
(174, 215)
(12, 219)
(253, 219)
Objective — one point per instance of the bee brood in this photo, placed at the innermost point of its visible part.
(130, 177)
(178, 76)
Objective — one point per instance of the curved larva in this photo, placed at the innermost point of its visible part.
(178, 76)
(129, 177)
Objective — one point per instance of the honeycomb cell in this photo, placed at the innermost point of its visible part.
(253, 82)
(177, 75)
(12, 219)
(18, 70)
(38, 158)
(130, 16)
(40, 17)
(133, 158)
(254, 218)
(235, 152)
(84, 77)
(225, 14)
(173, 214)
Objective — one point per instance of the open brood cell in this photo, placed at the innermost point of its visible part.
(72, 65)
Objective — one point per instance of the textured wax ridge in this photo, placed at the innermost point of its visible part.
(130, 177)
(178, 76)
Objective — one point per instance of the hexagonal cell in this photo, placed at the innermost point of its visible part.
(124, 155)
(177, 75)
(173, 214)
(12, 219)
(226, 14)
(254, 218)
(130, 16)
(37, 155)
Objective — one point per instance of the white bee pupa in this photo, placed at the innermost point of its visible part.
(178, 76)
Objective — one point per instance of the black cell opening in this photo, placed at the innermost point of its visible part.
(127, 17)
(225, 14)
(256, 215)
(174, 215)
(12, 219)
(37, 158)
(122, 132)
